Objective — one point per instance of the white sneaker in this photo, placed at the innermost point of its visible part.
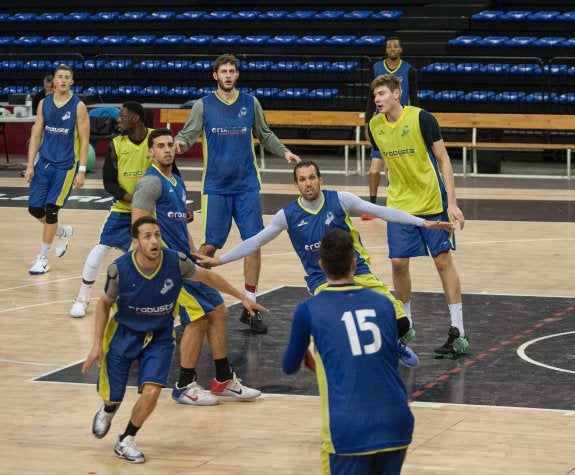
(194, 395)
(233, 388)
(79, 308)
(40, 266)
(102, 422)
(126, 449)
(62, 241)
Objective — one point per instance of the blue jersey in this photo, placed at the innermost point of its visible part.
(306, 228)
(364, 401)
(229, 159)
(171, 211)
(60, 142)
(401, 72)
(148, 302)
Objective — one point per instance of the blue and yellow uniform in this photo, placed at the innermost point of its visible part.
(415, 183)
(142, 327)
(58, 154)
(365, 413)
(403, 72)
(307, 227)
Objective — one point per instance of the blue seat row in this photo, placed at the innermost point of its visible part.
(249, 15)
(491, 96)
(523, 15)
(111, 40)
(499, 68)
(38, 65)
(517, 41)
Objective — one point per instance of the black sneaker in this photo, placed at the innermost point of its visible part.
(456, 345)
(256, 323)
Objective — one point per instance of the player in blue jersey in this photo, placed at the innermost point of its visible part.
(392, 64)
(202, 309)
(57, 157)
(421, 182)
(366, 421)
(142, 287)
(228, 121)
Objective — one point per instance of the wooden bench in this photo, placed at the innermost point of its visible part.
(303, 119)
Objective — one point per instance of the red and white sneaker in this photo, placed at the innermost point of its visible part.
(194, 395)
(233, 388)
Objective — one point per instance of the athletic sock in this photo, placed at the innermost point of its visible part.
(456, 312)
(407, 310)
(187, 376)
(131, 429)
(372, 199)
(224, 371)
(251, 291)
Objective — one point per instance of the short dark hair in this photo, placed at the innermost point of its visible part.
(336, 252)
(305, 164)
(158, 133)
(225, 59)
(135, 229)
(393, 38)
(136, 108)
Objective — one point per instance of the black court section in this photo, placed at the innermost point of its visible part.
(491, 374)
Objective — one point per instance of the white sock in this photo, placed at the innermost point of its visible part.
(84, 293)
(407, 310)
(251, 295)
(44, 249)
(456, 312)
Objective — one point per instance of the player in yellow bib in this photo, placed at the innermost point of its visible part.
(421, 183)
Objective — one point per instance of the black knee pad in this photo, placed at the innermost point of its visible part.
(52, 213)
(38, 213)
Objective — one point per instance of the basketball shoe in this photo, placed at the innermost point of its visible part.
(256, 323)
(410, 335)
(194, 395)
(407, 356)
(79, 307)
(126, 449)
(456, 345)
(40, 266)
(233, 388)
(62, 241)
(102, 422)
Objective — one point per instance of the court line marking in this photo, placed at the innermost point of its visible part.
(523, 355)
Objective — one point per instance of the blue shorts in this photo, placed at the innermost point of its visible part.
(217, 213)
(413, 241)
(375, 154)
(122, 346)
(116, 231)
(381, 463)
(50, 185)
(196, 300)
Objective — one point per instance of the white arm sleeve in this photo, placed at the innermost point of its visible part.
(251, 245)
(350, 202)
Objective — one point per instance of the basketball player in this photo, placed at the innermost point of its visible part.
(366, 422)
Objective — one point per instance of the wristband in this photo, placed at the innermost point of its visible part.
(82, 168)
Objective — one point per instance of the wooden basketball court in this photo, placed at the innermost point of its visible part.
(519, 240)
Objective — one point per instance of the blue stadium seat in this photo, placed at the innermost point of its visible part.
(182, 91)
(177, 65)
(516, 15)
(358, 15)
(496, 68)
(4, 17)
(226, 40)
(55, 41)
(425, 94)
(492, 41)
(537, 98)
(340, 40)
(217, 15)
(370, 40)
(329, 15)
(141, 40)
(438, 67)
(191, 15)
(567, 16)
(294, 93)
(203, 65)
(387, 15)
(570, 43)
(132, 16)
(555, 69)
(548, 42)
(323, 94)
(526, 69)
(150, 64)
(27, 41)
(520, 41)
(112, 40)
(479, 96)
(286, 66)
(84, 40)
(118, 64)
(282, 40)
(448, 96)
(103, 90)
(89, 64)
(468, 68)
(198, 40)
(544, 16)
(104, 16)
(204, 91)
(344, 66)
(246, 90)
(509, 96)
(487, 15)
(466, 40)
(301, 15)
(15, 90)
(35, 65)
(254, 40)
(22, 17)
(49, 16)
(77, 16)
(160, 16)
(316, 66)
(272, 15)
(565, 98)
(266, 91)
(6, 40)
(154, 91)
(256, 66)
(245, 15)
(11, 65)
(126, 90)
(170, 40)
